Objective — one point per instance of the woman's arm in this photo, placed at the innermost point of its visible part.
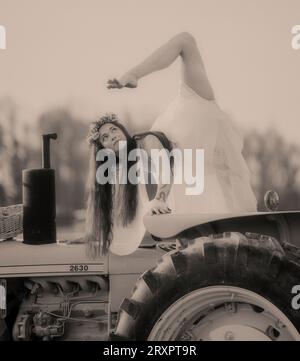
(183, 45)
(164, 181)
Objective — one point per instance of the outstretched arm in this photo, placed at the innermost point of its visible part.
(193, 71)
(158, 205)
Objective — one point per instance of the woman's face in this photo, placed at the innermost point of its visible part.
(110, 136)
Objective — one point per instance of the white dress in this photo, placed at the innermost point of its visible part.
(192, 122)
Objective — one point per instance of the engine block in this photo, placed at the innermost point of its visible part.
(73, 308)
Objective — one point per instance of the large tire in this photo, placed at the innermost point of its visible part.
(252, 264)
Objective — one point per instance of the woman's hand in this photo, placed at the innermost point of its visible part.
(157, 206)
(129, 80)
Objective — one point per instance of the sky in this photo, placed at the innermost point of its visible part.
(61, 52)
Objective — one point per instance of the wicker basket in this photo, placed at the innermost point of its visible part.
(11, 221)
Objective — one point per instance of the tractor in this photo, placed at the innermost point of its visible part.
(196, 277)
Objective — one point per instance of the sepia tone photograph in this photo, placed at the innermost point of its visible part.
(149, 171)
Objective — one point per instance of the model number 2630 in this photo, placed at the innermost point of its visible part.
(79, 267)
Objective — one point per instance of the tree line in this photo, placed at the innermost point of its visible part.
(273, 161)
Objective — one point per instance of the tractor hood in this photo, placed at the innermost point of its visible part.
(19, 259)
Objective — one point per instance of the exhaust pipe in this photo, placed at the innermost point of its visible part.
(39, 206)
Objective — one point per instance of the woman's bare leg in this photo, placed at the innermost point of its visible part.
(193, 73)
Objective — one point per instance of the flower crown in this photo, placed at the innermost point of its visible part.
(94, 131)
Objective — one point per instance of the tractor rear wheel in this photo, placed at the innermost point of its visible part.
(225, 287)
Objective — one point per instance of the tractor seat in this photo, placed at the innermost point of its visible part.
(169, 225)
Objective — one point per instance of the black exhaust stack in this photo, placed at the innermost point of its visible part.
(39, 218)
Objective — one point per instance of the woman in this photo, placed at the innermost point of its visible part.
(115, 209)
(195, 121)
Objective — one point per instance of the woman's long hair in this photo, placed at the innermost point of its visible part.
(101, 210)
